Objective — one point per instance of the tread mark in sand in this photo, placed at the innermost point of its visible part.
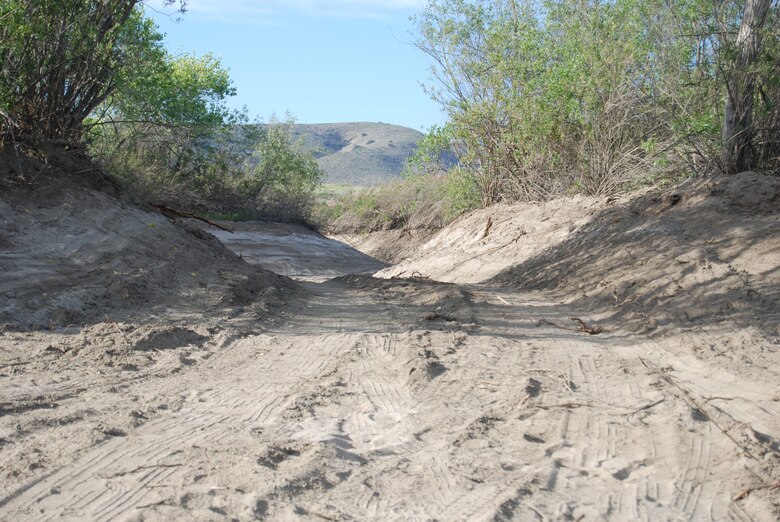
(688, 486)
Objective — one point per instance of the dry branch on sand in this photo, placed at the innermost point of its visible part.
(172, 213)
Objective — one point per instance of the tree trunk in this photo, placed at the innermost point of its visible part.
(737, 152)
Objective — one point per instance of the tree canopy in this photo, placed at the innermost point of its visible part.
(60, 60)
(96, 73)
(553, 96)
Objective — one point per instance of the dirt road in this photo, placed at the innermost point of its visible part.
(386, 399)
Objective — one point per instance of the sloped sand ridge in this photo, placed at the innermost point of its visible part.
(702, 253)
(481, 244)
(294, 251)
(73, 252)
(389, 399)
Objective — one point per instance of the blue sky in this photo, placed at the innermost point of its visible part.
(323, 61)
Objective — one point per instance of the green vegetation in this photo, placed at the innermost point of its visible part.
(166, 131)
(59, 59)
(281, 179)
(543, 98)
(431, 193)
(555, 97)
(416, 201)
(95, 72)
(559, 96)
(331, 190)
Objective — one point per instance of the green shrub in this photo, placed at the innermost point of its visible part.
(416, 201)
(59, 61)
(550, 97)
(209, 170)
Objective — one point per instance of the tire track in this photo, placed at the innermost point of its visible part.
(689, 484)
(99, 486)
(336, 417)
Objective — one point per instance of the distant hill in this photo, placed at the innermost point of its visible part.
(359, 153)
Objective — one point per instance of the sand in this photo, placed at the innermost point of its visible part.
(147, 372)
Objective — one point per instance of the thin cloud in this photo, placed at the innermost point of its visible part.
(264, 11)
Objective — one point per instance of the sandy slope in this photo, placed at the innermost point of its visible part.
(75, 249)
(362, 398)
(294, 251)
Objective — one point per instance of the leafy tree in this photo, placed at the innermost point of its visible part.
(487, 57)
(433, 153)
(738, 129)
(97, 71)
(162, 128)
(552, 96)
(280, 177)
(59, 62)
(155, 87)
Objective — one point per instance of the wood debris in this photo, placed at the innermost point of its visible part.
(590, 330)
(172, 213)
(745, 492)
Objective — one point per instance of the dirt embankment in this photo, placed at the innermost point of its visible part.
(76, 250)
(390, 246)
(149, 373)
(690, 256)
